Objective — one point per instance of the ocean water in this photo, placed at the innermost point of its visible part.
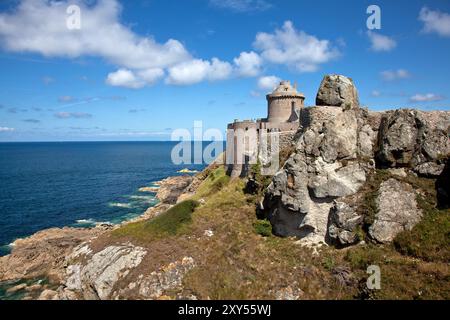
(45, 185)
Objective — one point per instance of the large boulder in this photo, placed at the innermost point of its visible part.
(416, 139)
(397, 211)
(398, 136)
(338, 91)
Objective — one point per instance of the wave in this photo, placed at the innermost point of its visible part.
(86, 221)
(120, 205)
(143, 198)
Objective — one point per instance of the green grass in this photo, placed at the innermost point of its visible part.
(169, 223)
(263, 228)
(215, 181)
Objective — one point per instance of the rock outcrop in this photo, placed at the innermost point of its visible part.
(337, 91)
(171, 188)
(96, 278)
(44, 252)
(167, 278)
(339, 146)
(414, 139)
(329, 162)
(397, 211)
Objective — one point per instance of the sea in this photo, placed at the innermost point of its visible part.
(78, 184)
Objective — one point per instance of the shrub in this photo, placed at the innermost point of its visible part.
(263, 227)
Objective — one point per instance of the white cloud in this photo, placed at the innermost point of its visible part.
(76, 115)
(375, 93)
(294, 48)
(40, 27)
(134, 80)
(219, 70)
(151, 76)
(268, 82)
(391, 75)
(429, 97)
(381, 42)
(198, 70)
(187, 73)
(102, 35)
(248, 64)
(6, 129)
(435, 21)
(242, 5)
(142, 61)
(124, 78)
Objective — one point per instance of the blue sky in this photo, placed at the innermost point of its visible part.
(136, 70)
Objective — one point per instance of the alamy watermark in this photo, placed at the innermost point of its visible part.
(374, 20)
(374, 280)
(73, 19)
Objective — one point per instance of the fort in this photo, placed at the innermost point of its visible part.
(244, 138)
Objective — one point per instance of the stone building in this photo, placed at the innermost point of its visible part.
(245, 138)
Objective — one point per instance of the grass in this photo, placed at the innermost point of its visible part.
(216, 180)
(263, 227)
(429, 240)
(168, 223)
(401, 276)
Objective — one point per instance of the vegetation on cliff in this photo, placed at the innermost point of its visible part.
(243, 260)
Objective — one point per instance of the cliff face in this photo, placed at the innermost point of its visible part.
(316, 195)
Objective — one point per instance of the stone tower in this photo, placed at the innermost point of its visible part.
(283, 103)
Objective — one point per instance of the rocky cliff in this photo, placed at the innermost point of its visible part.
(316, 195)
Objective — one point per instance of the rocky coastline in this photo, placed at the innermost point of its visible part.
(39, 262)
